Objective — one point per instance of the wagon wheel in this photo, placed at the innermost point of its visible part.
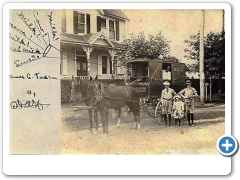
(158, 113)
(150, 108)
(126, 114)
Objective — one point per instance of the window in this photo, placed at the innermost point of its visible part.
(111, 30)
(81, 63)
(114, 30)
(166, 71)
(104, 64)
(81, 23)
(101, 23)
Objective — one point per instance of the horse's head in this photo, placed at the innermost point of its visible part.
(79, 88)
(97, 91)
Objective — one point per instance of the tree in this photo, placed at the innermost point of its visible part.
(214, 54)
(140, 47)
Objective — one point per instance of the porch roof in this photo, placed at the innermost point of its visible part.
(87, 39)
(65, 37)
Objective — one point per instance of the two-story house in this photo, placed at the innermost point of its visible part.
(89, 40)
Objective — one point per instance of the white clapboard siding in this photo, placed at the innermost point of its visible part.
(64, 63)
(99, 65)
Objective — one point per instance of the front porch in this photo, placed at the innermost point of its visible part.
(90, 55)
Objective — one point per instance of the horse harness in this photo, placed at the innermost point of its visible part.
(103, 96)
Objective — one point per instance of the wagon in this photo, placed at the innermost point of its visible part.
(147, 77)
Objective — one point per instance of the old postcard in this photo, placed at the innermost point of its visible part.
(99, 84)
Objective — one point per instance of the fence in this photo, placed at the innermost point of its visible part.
(66, 86)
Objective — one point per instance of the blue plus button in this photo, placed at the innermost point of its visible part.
(227, 145)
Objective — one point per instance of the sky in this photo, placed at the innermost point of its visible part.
(176, 25)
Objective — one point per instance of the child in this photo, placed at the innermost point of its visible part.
(178, 107)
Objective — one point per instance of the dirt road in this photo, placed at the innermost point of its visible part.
(150, 139)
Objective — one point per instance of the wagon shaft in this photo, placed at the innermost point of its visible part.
(83, 107)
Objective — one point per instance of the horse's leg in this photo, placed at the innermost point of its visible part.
(96, 119)
(119, 115)
(138, 116)
(90, 120)
(138, 122)
(103, 120)
(136, 112)
(106, 120)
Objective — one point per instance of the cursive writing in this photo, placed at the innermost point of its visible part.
(27, 23)
(53, 27)
(19, 63)
(15, 49)
(17, 29)
(24, 50)
(33, 76)
(28, 104)
(18, 39)
(35, 14)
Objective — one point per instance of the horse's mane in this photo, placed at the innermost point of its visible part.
(85, 86)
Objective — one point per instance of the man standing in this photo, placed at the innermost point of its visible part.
(167, 100)
(189, 94)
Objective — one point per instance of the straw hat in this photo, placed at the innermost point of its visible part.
(177, 96)
(166, 83)
(188, 82)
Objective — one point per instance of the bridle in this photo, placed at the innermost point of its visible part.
(96, 98)
(88, 96)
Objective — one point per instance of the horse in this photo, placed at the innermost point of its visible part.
(80, 93)
(105, 98)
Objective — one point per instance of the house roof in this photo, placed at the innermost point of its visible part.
(115, 13)
(87, 39)
(72, 38)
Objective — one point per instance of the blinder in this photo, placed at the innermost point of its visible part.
(97, 92)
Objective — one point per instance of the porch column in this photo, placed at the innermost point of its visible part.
(112, 52)
(88, 50)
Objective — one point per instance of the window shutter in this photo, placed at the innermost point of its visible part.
(99, 24)
(117, 30)
(88, 23)
(75, 22)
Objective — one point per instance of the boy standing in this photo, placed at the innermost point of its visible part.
(189, 94)
(166, 99)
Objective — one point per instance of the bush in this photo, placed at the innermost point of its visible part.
(65, 90)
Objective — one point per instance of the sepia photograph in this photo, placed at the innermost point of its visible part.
(137, 81)
(129, 86)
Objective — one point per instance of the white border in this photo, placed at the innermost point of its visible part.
(113, 165)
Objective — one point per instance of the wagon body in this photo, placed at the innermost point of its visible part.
(147, 77)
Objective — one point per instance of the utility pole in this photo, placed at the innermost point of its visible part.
(201, 59)
(223, 20)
